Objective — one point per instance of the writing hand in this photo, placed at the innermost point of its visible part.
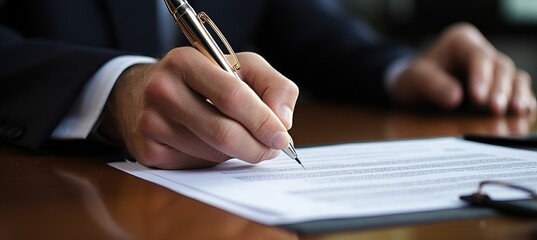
(463, 62)
(186, 112)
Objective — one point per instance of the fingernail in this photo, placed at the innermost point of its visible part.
(481, 92)
(501, 101)
(279, 140)
(287, 115)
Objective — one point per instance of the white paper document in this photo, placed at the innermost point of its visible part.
(352, 180)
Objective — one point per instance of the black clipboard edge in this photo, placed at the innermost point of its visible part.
(361, 223)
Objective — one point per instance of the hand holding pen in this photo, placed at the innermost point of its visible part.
(192, 25)
(160, 113)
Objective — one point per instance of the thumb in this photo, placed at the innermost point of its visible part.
(424, 82)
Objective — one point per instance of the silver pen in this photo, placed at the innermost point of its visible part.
(192, 25)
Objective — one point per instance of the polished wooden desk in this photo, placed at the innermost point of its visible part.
(62, 197)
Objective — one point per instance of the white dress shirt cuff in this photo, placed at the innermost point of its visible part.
(394, 71)
(87, 108)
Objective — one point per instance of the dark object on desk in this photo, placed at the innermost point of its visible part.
(516, 208)
(528, 142)
(358, 223)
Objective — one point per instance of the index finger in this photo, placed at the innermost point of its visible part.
(476, 55)
(278, 92)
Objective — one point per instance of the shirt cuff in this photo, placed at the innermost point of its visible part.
(394, 71)
(85, 112)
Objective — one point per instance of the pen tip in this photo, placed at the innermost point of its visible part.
(298, 161)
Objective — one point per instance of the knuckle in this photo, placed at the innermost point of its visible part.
(463, 29)
(262, 125)
(249, 59)
(291, 89)
(152, 156)
(173, 57)
(486, 53)
(180, 54)
(524, 77)
(506, 62)
(232, 97)
(180, 61)
(464, 33)
(159, 88)
(227, 137)
(523, 74)
(250, 55)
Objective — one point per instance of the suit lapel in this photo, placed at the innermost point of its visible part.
(134, 23)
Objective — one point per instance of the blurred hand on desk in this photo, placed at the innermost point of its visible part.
(462, 61)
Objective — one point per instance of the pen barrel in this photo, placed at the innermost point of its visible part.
(199, 37)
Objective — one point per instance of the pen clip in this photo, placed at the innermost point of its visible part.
(203, 18)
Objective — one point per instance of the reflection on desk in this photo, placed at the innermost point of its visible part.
(70, 197)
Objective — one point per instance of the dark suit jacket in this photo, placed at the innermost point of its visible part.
(50, 48)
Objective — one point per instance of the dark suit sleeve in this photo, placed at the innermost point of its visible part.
(325, 51)
(39, 80)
